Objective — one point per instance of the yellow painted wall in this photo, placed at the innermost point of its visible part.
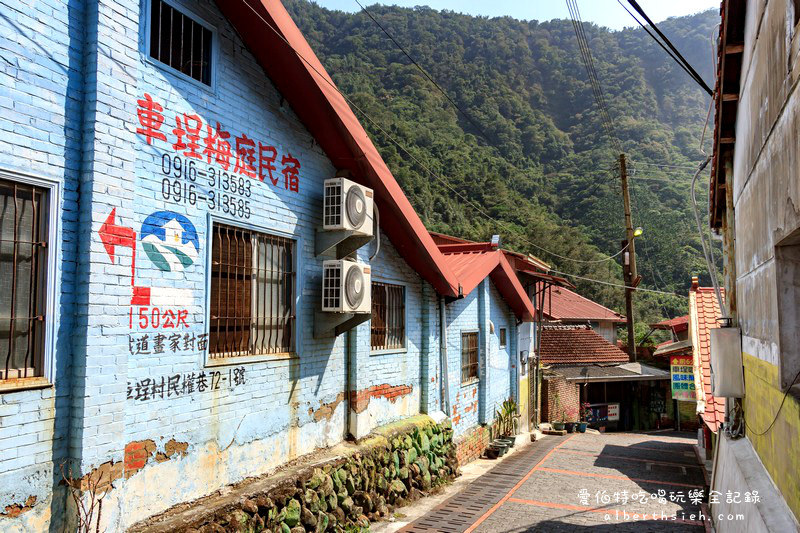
(524, 399)
(779, 449)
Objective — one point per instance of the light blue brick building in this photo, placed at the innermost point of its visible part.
(161, 189)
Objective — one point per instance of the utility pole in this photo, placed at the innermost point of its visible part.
(630, 274)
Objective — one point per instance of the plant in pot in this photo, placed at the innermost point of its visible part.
(586, 409)
(506, 419)
(572, 414)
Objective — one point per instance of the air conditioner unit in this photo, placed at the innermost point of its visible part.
(727, 380)
(346, 287)
(347, 206)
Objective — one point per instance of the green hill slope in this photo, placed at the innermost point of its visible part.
(542, 163)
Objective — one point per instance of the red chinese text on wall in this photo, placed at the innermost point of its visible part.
(196, 140)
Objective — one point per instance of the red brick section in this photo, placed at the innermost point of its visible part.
(576, 345)
(16, 509)
(568, 397)
(703, 316)
(360, 400)
(472, 445)
(137, 454)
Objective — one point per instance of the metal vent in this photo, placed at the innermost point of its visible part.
(332, 211)
(354, 286)
(356, 206)
(331, 286)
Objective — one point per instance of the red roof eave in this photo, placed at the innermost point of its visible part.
(506, 281)
(323, 110)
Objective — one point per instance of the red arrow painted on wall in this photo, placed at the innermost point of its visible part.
(112, 235)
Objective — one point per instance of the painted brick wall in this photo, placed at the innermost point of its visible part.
(475, 402)
(75, 113)
(174, 443)
(388, 382)
(41, 87)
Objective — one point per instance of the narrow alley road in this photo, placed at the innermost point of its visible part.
(583, 482)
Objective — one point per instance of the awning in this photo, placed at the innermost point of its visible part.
(609, 373)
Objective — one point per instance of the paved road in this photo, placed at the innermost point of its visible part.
(584, 482)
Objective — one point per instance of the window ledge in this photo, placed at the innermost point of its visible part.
(389, 351)
(247, 359)
(20, 384)
(469, 382)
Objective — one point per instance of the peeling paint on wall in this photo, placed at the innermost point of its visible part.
(360, 400)
(16, 509)
(326, 410)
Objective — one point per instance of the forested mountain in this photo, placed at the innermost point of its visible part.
(539, 159)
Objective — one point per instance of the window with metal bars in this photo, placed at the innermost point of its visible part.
(23, 267)
(469, 356)
(388, 316)
(180, 42)
(252, 293)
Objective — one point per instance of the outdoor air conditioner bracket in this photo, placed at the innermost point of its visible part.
(337, 322)
(345, 242)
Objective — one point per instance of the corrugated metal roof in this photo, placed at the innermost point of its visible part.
(615, 372)
(673, 348)
(302, 80)
(679, 323)
(561, 303)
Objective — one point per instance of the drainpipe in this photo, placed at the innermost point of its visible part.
(443, 377)
(347, 383)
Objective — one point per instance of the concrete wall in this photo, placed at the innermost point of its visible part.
(766, 193)
(141, 402)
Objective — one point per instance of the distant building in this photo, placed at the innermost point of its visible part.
(754, 199)
(568, 307)
(583, 367)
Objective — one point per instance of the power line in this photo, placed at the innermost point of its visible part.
(404, 149)
(586, 56)
(621, 286)
(424, 72)
(680, 59)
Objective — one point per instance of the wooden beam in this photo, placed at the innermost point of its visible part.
(730, 97)
(727, 140)
(734, 48)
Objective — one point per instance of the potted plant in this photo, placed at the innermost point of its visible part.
(572, 414)
(584, 415)
(505, 419)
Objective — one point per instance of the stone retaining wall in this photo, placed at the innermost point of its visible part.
(398, 464)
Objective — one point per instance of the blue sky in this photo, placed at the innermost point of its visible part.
(604, 12)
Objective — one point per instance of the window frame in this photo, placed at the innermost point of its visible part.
(192, 14)
(474, 379)
(207, 360)
(502, 337)
(404, 348)
(52, 282)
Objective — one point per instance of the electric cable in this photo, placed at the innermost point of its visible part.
(777, 413)
(683, 60)
(431, 172)
(659, 43)
(712, 269)
(424, 72)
